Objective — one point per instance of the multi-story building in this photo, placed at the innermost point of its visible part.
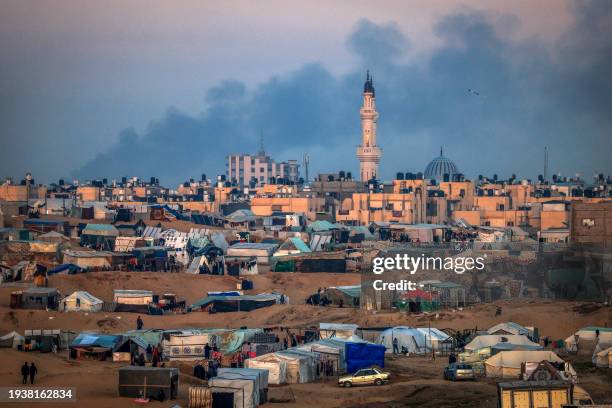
(260, 169)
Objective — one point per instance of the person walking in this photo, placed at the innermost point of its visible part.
(33, 372)
(25, 371)
(139, 323)
(395, 346)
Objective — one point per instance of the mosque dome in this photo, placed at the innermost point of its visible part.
(438, 167)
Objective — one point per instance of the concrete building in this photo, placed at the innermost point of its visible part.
(368, 153)
(256, 170)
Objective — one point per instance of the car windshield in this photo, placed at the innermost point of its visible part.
(464, 367)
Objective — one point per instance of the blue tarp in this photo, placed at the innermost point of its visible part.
(363, 355)
(68, 267)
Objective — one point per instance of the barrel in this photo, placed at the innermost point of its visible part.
(200, 397)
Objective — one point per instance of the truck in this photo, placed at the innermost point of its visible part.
(534, 394)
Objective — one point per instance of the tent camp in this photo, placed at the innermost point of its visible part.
(12, 339)
(491, 340)
(507, 364)
(509, 328)
(81, 301)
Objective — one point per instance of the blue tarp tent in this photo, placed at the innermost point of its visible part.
(363, 355)
(68, 268)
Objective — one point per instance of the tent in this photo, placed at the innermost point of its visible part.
(587, 336)
(363, 355)
(81, 301)
(509, 328)
(244, 303)
(293, 245)
(435, 338)
(12, 339)
(603, 358)
(262, 379)
(507, 364)
(244, 374)
(301, 365)
(342, 330)
(276, 367)
(241, 393)
(349, 296)
(491, 340)
(408, 337)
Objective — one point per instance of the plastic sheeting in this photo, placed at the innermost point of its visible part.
(244, 390)
(362, 355)
(490, 340)
(277, 368)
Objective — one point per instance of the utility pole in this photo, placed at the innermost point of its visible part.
(306, 161)
(545, 163)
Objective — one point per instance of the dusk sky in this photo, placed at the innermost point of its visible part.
(168, 89)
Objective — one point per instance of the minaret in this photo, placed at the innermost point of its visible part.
(368, 152)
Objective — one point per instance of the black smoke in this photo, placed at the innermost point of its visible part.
(492, 102)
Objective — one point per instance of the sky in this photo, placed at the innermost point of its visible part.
(168, 89)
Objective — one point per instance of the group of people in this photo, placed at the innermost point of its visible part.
(205, 373)
(28, 371)
(153, 354)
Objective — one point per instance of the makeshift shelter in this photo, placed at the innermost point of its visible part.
(53, 236)
(292, 245)
(186, 345)
(94, 345)
(276, 367)
(133, 297)
(341, 330)
(136, 381)
(509, 328)
(410, 338)
(603, 358)
(329, 350)
(88, 259)
(66, 268)
(231, 392)
(99, 236)
(492, 340)
(12, 340)
(362, 355)
(81, 301)
(244, 303)
(263, 251)
(40, 298)
(507, 364)
(127, 244)
(262, 379)
(244, 374)
(587, 339)
(347, 296)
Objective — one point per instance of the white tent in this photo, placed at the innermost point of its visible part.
(277, 368)
(81, 301)
(509, 328)
(244, 391)
(12, 339)
(490, 340)
(342, 330)
(244, 375)
(507, 364)
(408, 337)
(434, 337)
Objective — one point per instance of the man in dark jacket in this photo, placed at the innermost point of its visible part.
(207, 351)
(33, 372)
(139, 323)
(25, 371)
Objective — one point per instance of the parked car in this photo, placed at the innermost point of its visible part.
(459, 371)
(365, 376)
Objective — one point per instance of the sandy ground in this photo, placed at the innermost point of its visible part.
(416, 381)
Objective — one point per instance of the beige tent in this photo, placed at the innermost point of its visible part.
(12, 339)
(276, 366)
(81, 301)
(602, 357)
(507, 364)
(587, 338)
